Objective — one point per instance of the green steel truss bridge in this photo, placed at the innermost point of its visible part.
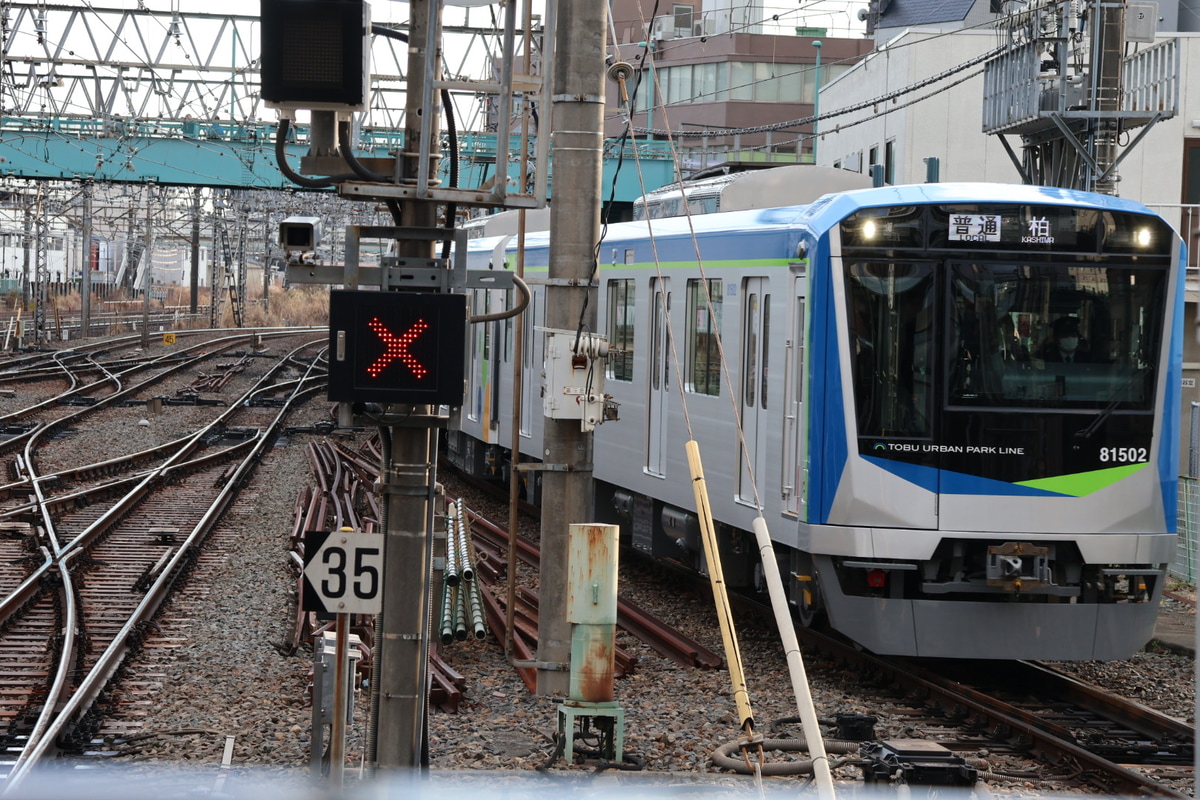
(160, 95)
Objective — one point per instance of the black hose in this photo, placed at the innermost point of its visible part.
(451, 128)
(292, 175)
(723, 756)
(523, 288)
(357, 166)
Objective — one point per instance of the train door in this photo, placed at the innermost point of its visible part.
(529, 371)
(477, 348)
(659, 383)
(756, 325)
(792, 468)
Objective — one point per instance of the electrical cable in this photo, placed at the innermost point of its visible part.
(523, 288)
(831, 114)
(295, 177)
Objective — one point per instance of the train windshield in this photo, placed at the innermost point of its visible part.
(1053, 337)
(1017, 336)
(892, 338)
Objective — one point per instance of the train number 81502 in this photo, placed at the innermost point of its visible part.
(1124, 455)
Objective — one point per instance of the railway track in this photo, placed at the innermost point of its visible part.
(1079, 734)
(93, 551)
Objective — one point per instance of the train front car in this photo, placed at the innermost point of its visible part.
(993, 430)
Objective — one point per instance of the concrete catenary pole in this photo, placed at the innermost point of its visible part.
(578, 116)
(410, 473)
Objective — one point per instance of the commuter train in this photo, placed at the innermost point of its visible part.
(959, 405)
(756, 188)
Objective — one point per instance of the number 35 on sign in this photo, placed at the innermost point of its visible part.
(343, 571)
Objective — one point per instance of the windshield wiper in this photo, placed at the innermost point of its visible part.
(1095, 425)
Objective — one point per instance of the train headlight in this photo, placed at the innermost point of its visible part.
(868, 229)
(1143, 237)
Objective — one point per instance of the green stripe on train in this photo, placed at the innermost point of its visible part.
(1084, 483)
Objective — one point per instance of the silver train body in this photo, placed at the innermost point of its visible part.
(937, 479)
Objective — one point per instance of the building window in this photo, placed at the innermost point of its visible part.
(621, 311)
(703, 327)
(889, 163)
(683, 19)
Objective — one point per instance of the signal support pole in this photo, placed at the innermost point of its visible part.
(567, 495)
(409, 474)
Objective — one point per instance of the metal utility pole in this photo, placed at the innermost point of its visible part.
(85, 269)
(410, 474)
(1065, 85)
(266, 261)
(578, 117)
(421, 305)
(195, 273)
(147, 280)
(27, 247)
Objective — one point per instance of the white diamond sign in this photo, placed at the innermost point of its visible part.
(343, 572)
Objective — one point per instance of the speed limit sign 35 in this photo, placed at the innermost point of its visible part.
(343, 572)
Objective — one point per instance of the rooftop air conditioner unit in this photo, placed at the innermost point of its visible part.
(704, 27)
(662, 28)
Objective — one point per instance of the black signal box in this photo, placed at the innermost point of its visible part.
(315, 54)
(397, 347)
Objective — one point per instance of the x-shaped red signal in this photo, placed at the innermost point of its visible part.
(397, 348)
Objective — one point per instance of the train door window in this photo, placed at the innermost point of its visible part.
(750, 351)
(477, 355)
(890, 310)
(703, 328)
(658, 406)
(755, 428)
(529, 356)
(621, 310)
(766, 349)
(755, 340)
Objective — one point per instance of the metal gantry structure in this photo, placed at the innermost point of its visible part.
(1066, 85)
(113, 84)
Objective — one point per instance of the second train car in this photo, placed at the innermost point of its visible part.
(959, 405)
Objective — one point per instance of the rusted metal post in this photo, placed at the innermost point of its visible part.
(592, 614)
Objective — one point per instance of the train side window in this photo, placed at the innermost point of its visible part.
(703, 327)
(621, 311)
(766, 350)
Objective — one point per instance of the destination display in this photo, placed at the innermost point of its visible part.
(999, 226)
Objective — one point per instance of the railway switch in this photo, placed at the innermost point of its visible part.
(917, 762)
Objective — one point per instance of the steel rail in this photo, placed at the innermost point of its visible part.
(201, 351)
(660, 636)
(58, 714)
(1123, 781)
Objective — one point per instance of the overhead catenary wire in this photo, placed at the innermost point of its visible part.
(774, 126)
